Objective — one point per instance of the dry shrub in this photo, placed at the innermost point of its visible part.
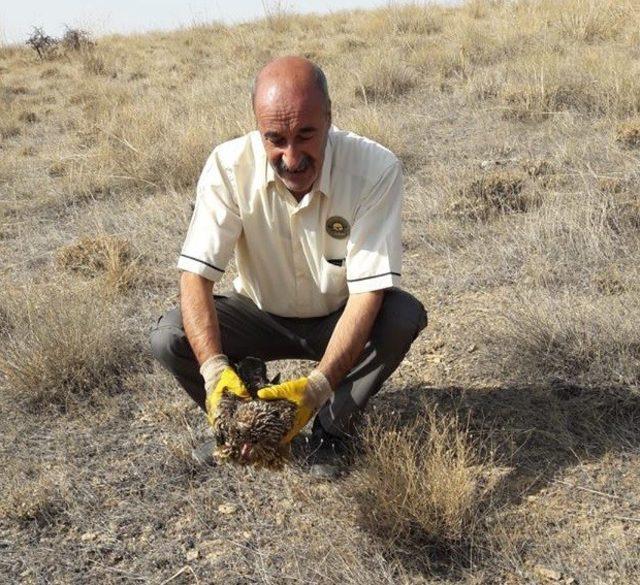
(65, 343)
(409, 19)
(426, 480)
(590, 20)
(8, 129)
(492, 194)
(158, 143)
(39, 498)
(106, 255)
(588, 80)
(47, 47)
(539, 337)
(536, 167)
(385, 79)
(278, 15)
(376, 123)
(628, 133)
(94, 64)
(562, 241)
(76, 39)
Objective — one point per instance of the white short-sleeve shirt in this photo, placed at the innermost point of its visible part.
(299, 259)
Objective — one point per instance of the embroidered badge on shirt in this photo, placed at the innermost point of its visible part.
(338, 227)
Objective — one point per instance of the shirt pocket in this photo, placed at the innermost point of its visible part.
(333, 277)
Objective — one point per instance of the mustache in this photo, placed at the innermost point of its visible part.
(303, 165)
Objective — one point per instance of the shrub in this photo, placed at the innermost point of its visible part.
(425, 480)
(75, 39)
(44, 45)
(628, 133)
(65, 342)
(106, 255)
(541, 337)
(492, 193)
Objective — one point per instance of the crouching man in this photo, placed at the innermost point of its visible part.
(313, 216)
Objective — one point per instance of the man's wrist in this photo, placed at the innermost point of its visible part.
(212, 369)
(320, 389)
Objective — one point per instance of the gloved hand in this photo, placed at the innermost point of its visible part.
(308, 394)
(219, 376)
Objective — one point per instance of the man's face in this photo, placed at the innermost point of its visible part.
(294, 130)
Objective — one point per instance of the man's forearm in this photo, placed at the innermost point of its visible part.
(199, 316)
(350, 335)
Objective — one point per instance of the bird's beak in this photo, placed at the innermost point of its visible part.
(245, 451)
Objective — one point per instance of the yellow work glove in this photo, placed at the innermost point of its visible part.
(220, 376)
(308, 394)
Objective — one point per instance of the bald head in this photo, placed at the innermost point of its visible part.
(290, 78)
(293, 114)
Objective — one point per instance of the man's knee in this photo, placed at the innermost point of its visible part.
(165, 345)
(403, 315)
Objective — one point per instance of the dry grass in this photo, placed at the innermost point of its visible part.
(38, 498)
(64, 345)
(568, 338)
(424, 481)
(517, 126)
(110, 256)
(629, 133)
(491, 194)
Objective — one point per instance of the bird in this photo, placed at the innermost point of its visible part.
(251, 431)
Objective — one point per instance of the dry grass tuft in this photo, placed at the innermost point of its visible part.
(492, 194)
(591, 20)
(66, 342)
(628, 133)
(425, 481)
(40, 499)
(106, 255)
(386, 80)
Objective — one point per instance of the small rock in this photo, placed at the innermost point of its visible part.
(227, 508)
(88, 536)
(548, 573)
(193, 554)
(570, 581)
(472, 348)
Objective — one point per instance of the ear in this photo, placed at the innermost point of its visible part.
(276, 379)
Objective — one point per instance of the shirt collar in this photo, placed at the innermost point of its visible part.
(323, 182)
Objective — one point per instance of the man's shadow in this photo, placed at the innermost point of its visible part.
(536, 432)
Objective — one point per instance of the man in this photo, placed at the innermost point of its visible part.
(313, 215)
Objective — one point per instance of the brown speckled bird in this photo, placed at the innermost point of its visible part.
(251, 431)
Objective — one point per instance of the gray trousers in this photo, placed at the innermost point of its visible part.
(248, 331)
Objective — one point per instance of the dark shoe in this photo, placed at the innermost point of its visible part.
(323, 454)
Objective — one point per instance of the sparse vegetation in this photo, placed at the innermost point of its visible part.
(505, 447)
